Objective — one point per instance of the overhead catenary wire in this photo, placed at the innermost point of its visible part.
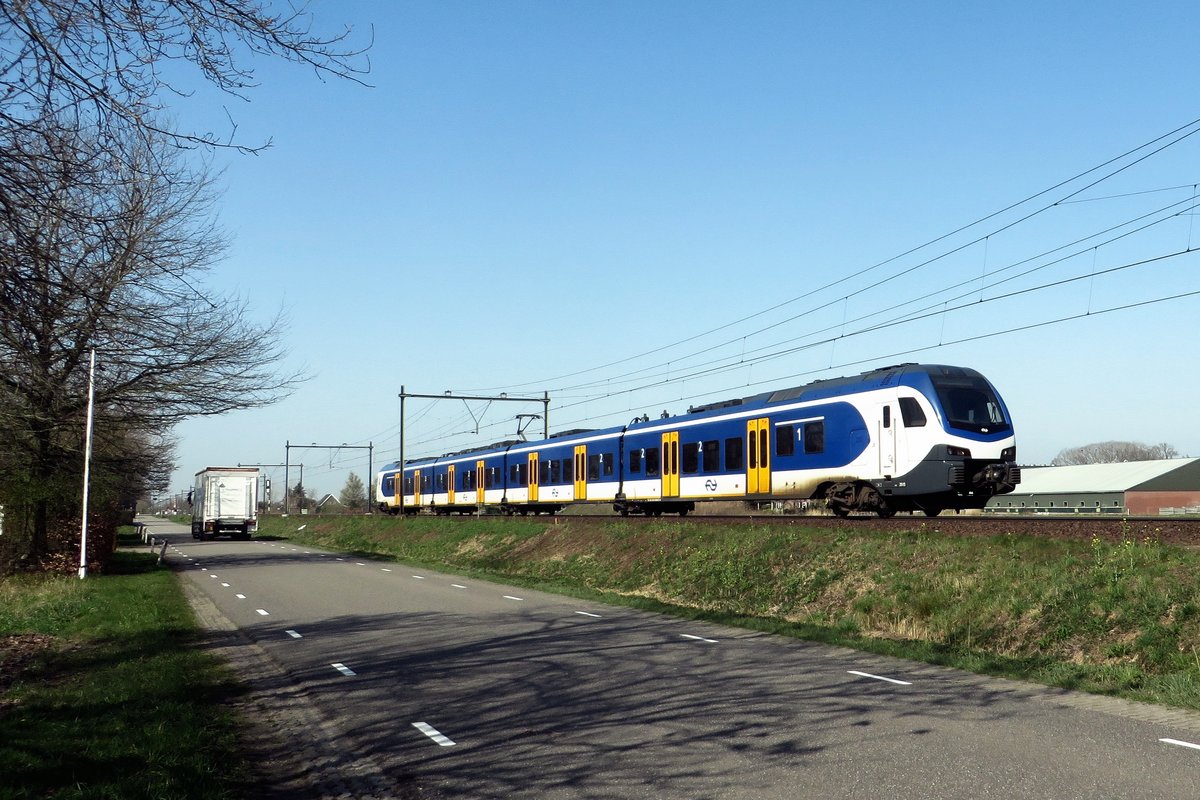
(1167, 211)
(940, 300)
(1180, 133)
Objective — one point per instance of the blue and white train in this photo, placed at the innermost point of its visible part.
(910, 437)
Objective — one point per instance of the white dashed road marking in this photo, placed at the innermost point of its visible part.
(879, 677)
(432, 733)
(510, 597)
(342, 668)
(294, 634)
(458, 586)
(240, 596)
(1179, 743)
(262, 612)
(698, 638)
(588, 614)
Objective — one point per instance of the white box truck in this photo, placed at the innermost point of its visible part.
(225, 500)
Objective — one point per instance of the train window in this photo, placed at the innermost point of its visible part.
(785, 440)
(608, 461)
(512, 474)
(389, 485)
(712, 456)
(593, 467)
(651, 461)
(522, 474)
(635, 461)
(911, 413)
(691, 458)
(887, 416)
(568, 470)
(555, 471)
(814, 437)
(408, 484)
(733, 454)
(544, 470)
(970, 403)
(426, 481)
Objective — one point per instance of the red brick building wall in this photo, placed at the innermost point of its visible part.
(1147, 504)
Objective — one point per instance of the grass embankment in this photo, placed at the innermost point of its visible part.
(113, 700)
(1121, 619)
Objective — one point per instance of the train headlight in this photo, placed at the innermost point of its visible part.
(961, 452)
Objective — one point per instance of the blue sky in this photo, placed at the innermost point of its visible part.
(534, 190)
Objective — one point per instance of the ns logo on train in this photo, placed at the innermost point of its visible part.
(911, 437)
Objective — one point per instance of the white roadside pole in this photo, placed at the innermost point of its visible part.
(87, 466)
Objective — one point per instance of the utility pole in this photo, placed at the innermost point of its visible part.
(87, 465)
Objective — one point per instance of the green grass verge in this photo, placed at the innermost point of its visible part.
(1120, 619)
(118, 704)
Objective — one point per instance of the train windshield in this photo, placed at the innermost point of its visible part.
(970, 403)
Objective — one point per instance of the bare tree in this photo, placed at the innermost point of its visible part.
(105, 235)
(108, 251)
(1113, 452)
(102, 64)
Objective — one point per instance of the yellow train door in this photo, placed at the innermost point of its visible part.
(581, 472)
(450, 484)
(416, 487)
(670, 464)
(479, 482)
(533, 477)
(758, 456)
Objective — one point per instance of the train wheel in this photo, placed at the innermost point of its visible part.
(840, 511)
(885, 512)
(932, 512)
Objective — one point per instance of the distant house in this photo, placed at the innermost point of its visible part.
(329, 504)
(1138, 488)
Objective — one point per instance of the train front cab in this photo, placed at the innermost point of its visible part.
(957, 456)
(387, 491)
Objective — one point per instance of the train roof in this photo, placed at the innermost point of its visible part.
(829, 387)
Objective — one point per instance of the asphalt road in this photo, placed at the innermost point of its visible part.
(459, 688)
